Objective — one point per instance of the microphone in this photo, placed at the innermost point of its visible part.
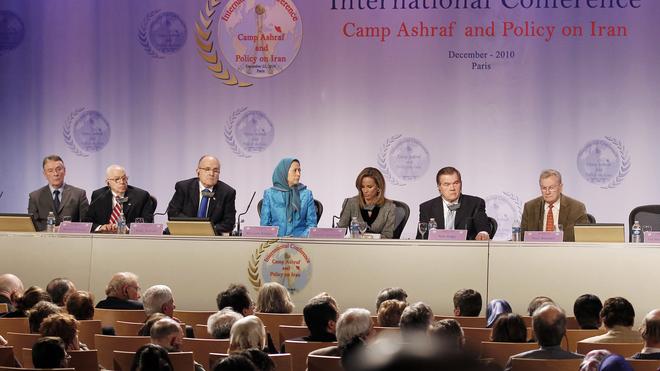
(238, 225)
(335, 217)
(1, 193)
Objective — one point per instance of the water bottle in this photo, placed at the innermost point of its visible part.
(515, 230)
(432, 224)
(121, 224)
(355, 227)
(636, 232)
(50, 223)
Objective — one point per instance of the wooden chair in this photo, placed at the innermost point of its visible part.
(282, 361)
(193, 317)
(201, 348)
(501, 352)
(86, 331)
(19, 325)
(622, 349)
(84, 360)
(273, 321)
(474, 336)
(573, 336)
(323, 363)
(2, 368)
(181, 361)
(4, 308)
(7, 356)
(299, 351)
(201, 332)
(109, 316)
(20, 341)
(292, 332)
(123, 328)
(466, 321)
(107, 344)
(572, 323)
(27, 357)
(387, 330)
(523, 364)
(644, 364)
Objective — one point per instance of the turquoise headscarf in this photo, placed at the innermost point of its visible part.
(280, 183)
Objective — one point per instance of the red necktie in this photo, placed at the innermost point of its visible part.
(550, 222)
(114, 216)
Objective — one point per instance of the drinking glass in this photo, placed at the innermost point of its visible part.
(363, 228)
(422, 227)
(139, 220)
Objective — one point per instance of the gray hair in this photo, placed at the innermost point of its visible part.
(354, 322)
(219, 324)
(117, 283)
(547, 173)
(164, 328)
(154, 298)
(114, 167)
(247, 333)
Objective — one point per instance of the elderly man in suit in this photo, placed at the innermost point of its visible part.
(454, 210)
(62, 199)
(552, 209)
(117, 197)
(205, 197)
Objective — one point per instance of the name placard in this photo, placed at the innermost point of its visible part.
(146, 229)
(260, 231)
(448, 234)
(543, 236)
(652, 237)
(75, 227)
(330, 233)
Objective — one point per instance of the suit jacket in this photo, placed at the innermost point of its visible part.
(471, 215)
(555, 352)
(221, 208)
(617, 334)
(571, 212)
(139, 205)
(111, 302)
(384, 223)
(73, 203)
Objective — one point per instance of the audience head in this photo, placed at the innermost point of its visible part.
(615, 363)
(371, 187)
(247, 333)
(509, 328)
(617, 312)
(168, 334)
(237, 297)
(449, 183)
(236, 362)
(49, 352)
(549, 322)
(391, 293)
(496, 308)
(320, 315)
(416, 317)
(389, 313)
(354, 323)
(10, 285)
(467, 303)
(551, 185)
(587, 309)
(151, 357)
(593, 359)
(80, 304)
(63, 326)
(208, 171)
(158, 299)
(219, 324)
(39, 312)
(274, 298)
(538, 302)
(58, 288)
(123, 285)
(260, 359)
(30, 298)
(650, 329)
(54, 170)
(149, 322)
(448, 333)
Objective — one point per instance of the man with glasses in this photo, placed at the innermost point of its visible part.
(62, 199)
(116, 197)
(205, 197)
(552, 209)
(123, 292)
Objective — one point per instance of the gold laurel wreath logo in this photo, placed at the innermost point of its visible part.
(207, 50)
(253, 264)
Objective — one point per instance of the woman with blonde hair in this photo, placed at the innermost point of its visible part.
(274, 298)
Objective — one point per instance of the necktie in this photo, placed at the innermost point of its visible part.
(449, 223)
(114, 216)
(56, 200)
(201, 213)
(550, 222)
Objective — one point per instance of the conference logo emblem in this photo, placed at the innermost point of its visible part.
(284, 263)
(505, 208)
(12, 31)
(86, 132)
(257, 40)
(403, 159)
(604, 162)
(162, 33)
(248, 132)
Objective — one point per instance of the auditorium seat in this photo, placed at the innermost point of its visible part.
(622, 349)
(387, 330)
(108, 317)
(282, 361)
(646, 215)
(299, 351)
(291, 332)
(402, 212)
(106, 345)
(193, 317)
(644, 364)
(493, 227)
(474, 336)
(501, 352)
(2, 368)
(465, 321)
(201, 348)
(20, 341)
(123, 328)
(7, 356)
(201, 332)
(19, 325)
(324, 363)
(272, 321)
(523, 364)
(571, 322)
(4, 308)
(181, 361)
(573, 336)
(86, 331)
(84, 360)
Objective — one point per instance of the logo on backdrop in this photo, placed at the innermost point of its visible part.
(284, 263)
(162, 33)
(403, 159)
(257, 40)
(505, 208)
(86, 132)
(249, 132)
(604, 162)
(12, 31)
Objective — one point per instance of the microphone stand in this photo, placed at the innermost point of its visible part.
(238, 225)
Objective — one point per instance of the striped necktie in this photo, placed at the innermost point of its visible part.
(114, 216)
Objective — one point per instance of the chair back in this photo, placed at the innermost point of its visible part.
(181, 361)
(4, 368)
(86, 331)
(123, 328)
(525, 364)
(201, 332)
(572, 323)
(591, 219)
(19, 325)
(108, 317)
(4, 308)
(291, 332)
(644, 364)
(401, 215)
(573, 336)
(193, 317)
(282, 361)
(299, 351)
(84, 360)
(474, 336)
(272, 321)
(387, 330)
(261, 202)
(20, 341)
(107, 344)
(324, 363)
(477, 322)
(201, 348)
(27, 357)
(501, 352)
(646, 215)
(7, 356)
(622, 349)
(492, 224)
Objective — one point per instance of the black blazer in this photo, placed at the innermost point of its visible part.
(471, 215)
(221, 209)
(139, 205)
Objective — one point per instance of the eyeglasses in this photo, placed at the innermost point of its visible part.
(123, 179)
(551, 188)
(210, 170)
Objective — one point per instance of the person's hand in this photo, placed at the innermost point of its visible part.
(108, 228)
(482, 236)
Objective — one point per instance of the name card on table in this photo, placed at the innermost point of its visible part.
(75, 227)
(260, 231)
(146, 229)
(542, 236)
(652, 237)
(448, 234)
(331, 233)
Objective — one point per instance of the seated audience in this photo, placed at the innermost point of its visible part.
(593, 359)
(49, 352)
(237, 297)
(123, 292)
(509, 328)
(536, 303)
(260, 359)
(651, 334)
(391, 293)
(618, 316)
(159, 299)
(80, 304)
(65, 327)
(9, 286)
(587, 309)
(467, 303)
(168, 334)
(236, 362)
(247, 333)
(354, 325)
(496, 308)
(151, 357)
(415, 318)
(448, 333)
(219, 324)
(145, 330)
(58, 289)
(274, 298)
(23, 303)
(39, 312)
(389, 313)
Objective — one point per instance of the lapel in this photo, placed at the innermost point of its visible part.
(438, 212)
(461, 214)
(128, 204)
(105, 201)
(212, 202)
(541, 211)
(564, 210)
(65, 197)
(194, 195)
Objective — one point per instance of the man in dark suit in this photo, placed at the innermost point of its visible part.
(116, 197)
(123, 292)
(552, 209)
(454, 210)
(205, 197)
(60, 198)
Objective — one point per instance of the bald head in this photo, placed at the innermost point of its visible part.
(549, 323)
(651, 329)
(168, 334)
(10, 284)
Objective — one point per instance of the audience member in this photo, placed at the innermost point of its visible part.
(39, 312)
(9, 286)
(618, 316)
(168, 334)
(467, 303)
(274, 298)
(237, 297)
(151, 357)
(587, 309)
(651, 334)
(448, 333)
(593, 359)
(159, 299)
(25, 302)
(615, 363)
(145, 330)
(122, 292)
(496, 308)
(389, 313)
(509, 328)
(247, 333)
(390, 293)
(219, 324)
(236, 362)
(320, 314)
(354, 325)
(49, 352)
(260, 359)
(58, 289)
(536, 303)
(416, 317)
(63, 326)
(80, 304)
